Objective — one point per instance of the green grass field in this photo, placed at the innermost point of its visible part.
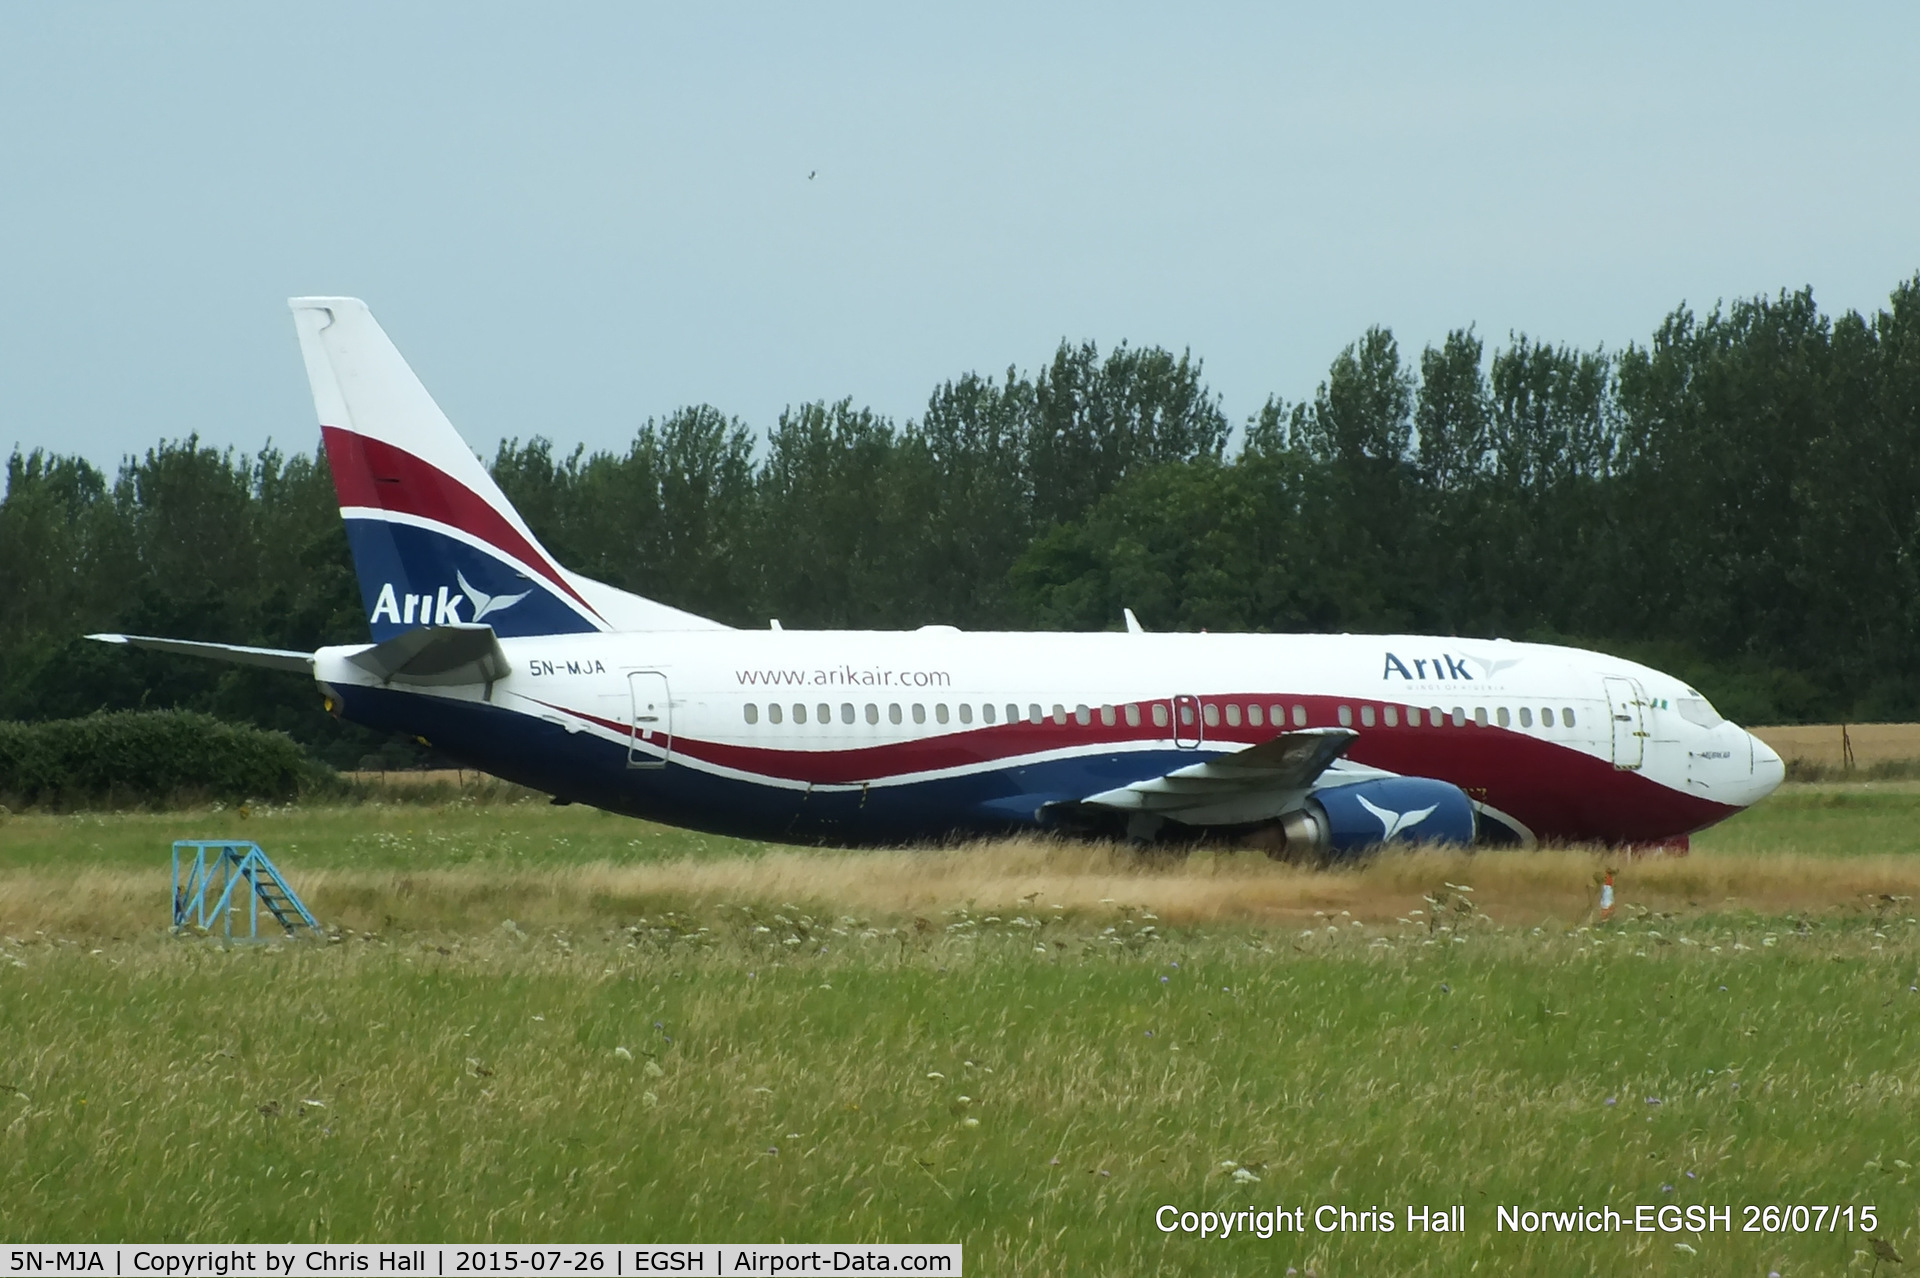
(1025, 1048)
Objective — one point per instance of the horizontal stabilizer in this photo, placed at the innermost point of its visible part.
(270, 658)
(437, 656)
(1253, 784)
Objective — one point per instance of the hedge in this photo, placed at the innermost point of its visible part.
(150, 757)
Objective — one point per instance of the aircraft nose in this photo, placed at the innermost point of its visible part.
(1768, 769)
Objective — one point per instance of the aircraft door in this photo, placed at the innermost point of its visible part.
(1186, 721)
(1625, 707)
(651, 742)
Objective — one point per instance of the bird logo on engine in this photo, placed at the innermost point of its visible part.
(1393, 823)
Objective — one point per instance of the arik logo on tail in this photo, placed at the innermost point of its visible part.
(484, 604)
(1392, 823)
(441, 608)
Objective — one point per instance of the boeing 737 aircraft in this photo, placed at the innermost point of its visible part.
(1322, 745)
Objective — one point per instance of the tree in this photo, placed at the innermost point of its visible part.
(1095, 423)
(1361, 418)
(1450, 415)
(968, 454)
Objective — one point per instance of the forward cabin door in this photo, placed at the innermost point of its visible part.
(1626, 706)
(652, 741)
(1186, 722)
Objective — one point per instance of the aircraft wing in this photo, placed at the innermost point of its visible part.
(270, 658)
(1252, 784)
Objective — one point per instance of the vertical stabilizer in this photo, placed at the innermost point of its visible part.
(434, 539)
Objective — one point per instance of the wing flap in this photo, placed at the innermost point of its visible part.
(1253, 784)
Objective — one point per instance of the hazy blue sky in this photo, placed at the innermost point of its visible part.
(573, 217)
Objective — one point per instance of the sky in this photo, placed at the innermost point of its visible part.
(574, 217)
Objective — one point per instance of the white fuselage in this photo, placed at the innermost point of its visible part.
(1562, 743)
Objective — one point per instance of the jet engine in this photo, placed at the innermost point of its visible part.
(1341, 821)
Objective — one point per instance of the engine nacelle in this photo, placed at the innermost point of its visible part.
(1344, 820)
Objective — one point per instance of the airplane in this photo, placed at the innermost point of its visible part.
(1314, 745)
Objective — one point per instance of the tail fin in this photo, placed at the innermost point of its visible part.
(434, 539)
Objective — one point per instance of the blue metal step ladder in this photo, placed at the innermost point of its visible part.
(207, 873)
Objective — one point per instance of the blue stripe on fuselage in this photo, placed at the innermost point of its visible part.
(588, 768)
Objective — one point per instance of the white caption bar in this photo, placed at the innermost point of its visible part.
(370, 1260)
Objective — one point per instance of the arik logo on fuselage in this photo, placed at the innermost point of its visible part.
(442, 608)
(1444, 666)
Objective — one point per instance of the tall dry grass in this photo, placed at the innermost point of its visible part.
(1206, 888)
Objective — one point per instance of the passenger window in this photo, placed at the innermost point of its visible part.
(1082, 716)
(1106, 716)
(1506, 719)
(1013, 713)
(1186, 715)
(1133, 714)
(846, 712)
(1034, 715)
(1366, 716)
(1159, 714)
(1546, 717)
(987, 714)
(1277, 716)
(1253, 715)
(1299, 716)
(1413, 716)
(919, 713)
(1059, 714)
(966, 711)
(1390, 715)
(1480, 715)
(1346, 716)
(873, 713)
(800, 712)
(773, 713)
(940, 712)
(893, 713)
(1526, 716)
(1233, 716)
(1434, 716)
(753, 713)
(1459, 717)
(1566, 716)
(1210, 713)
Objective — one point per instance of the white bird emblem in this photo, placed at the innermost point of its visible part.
(485, 603)
(1392, 823)
(1488, 669)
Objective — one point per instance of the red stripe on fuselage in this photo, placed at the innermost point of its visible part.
(368, 472)
(1557, 791)
(1003, 743)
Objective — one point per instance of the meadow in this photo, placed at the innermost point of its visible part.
(1827, 751)
(540, 1023)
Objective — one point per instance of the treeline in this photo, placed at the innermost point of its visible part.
(1736, 500)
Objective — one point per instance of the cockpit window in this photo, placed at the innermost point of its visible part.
(1698, 711)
